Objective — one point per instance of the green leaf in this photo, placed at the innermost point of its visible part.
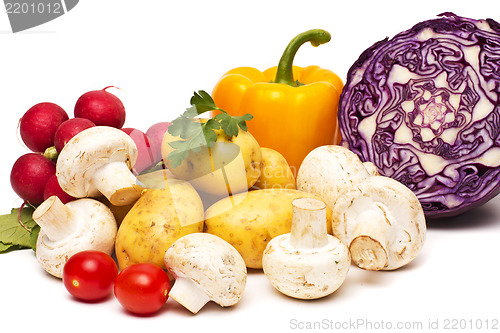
(209, 129)
(196, 135)
(177, 156)
(241, 121)
(225, 121)
(4, 247)
(34, 236)
(182, 148)
(232, 124)
(12, 234)
(183, 127)
(203, 102)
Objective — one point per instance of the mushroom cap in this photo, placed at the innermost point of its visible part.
(96, 231)
(395, 204)
(86, 152)
(210, 262)
(327, 171)
(306, 274)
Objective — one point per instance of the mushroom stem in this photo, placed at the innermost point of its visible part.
(308, 224)
(189, 294)
(306, 263)
(369, 242)
(55, 218)
(117, 183)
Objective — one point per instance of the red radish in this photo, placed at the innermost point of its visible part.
(29, 176)
(145, 158)
(69, 129)
(155, 136)
(39, 124)
(101, 107)
(53, 188)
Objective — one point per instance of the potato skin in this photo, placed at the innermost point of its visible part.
(119, 212)
(248, 221)
(276, 173)
(240, 156)
(157, 219)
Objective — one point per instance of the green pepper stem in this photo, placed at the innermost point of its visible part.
(284, 73)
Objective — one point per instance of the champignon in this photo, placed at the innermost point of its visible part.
(65, 229)
(206, 268)
(327, 171)
(382, 221)
(98, 161)
(371, 168)
(306, 263)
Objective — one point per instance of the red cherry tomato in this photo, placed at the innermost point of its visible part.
(142, 288)
(90, 275)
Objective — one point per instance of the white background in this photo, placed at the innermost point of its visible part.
(158, 53)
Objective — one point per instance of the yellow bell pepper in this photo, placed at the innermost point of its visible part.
(294, 108)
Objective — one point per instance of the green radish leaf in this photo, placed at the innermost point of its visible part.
(5, 247)
(12, 234)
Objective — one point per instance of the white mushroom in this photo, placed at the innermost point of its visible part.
(98, 161)
(206, 268)
(382, 221)
(306, 263)
(327, 172)
(65, 229)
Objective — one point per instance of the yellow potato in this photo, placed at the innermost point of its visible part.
(249, 220)
(231, 166)
(276, 173)
(157, 219)
(155, 179)
(119, 212)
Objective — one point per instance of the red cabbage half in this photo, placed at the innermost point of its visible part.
(424, 107)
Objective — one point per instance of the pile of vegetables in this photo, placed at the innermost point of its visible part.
(187, 207)
(45, 129)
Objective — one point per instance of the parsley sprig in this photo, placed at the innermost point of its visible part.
(195, 135)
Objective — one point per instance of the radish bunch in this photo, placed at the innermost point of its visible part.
(46, 128)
